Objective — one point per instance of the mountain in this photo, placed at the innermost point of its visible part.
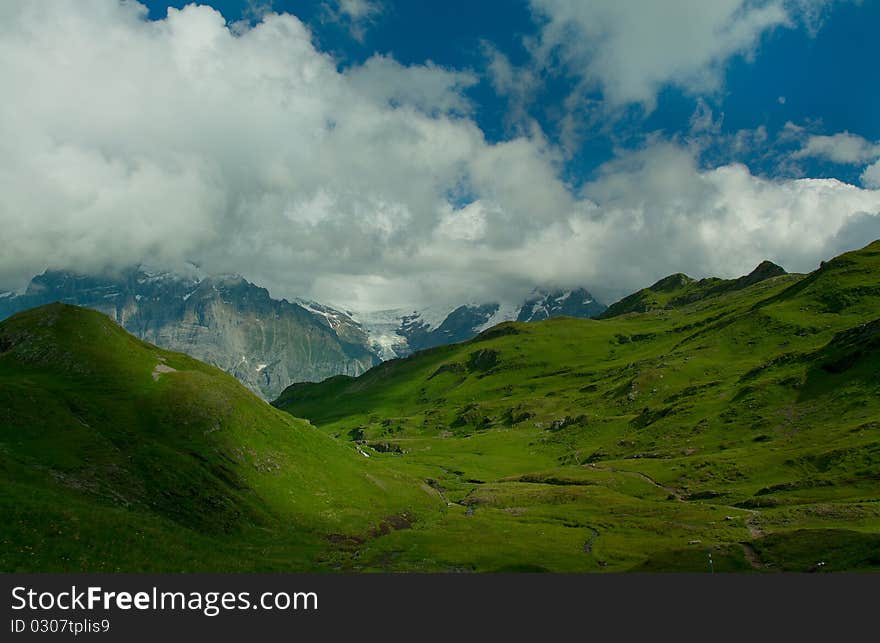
(266, 343)
(558, 303)
(679, 289)
(737, 418)
(116, 455)
(398, 333)
(224, 320)
(460, 324)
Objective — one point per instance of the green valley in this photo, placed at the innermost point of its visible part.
(713, 425)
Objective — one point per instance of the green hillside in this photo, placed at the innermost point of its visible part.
(116, 455)
(739, 418)
(679, 289)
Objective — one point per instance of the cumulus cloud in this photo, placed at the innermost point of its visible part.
(847, 149)
(245, 149)
(720, 221)
(871, 176)
(840, 148)
(653, 212)
(629, 50)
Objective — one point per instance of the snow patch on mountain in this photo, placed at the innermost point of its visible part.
(430, 317)
(505, 312)
(381, 327)
(563, 297)
(335, 318)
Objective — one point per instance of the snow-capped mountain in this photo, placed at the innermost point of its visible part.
(383, 331)
(269, 343)
(224, 320)
(397, 333)
(559, 303)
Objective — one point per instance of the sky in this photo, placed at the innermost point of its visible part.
(377, 154)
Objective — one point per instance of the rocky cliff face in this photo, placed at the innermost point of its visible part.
(226, 321)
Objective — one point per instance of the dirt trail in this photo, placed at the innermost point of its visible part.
(752, 556)
(588, 545)
(435, 485)
(755, 530)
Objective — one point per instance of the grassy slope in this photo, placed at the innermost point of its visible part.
(746, 423)
(104, 466)
(679, 289)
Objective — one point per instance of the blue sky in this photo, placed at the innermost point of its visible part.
(378, 154)
(826, 75)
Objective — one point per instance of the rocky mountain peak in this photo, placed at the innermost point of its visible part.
(224, 320)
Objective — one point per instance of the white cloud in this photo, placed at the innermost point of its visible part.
(722, 221)
(358, 9)
(125, 140)
(747, 141)
(517, 83)
(651, 212)
(703, 121)
(430, 88)
(847, 149)
(871, 176)
(630, 50)
(843, 147)
(355, 14)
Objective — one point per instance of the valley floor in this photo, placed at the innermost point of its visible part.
(608, 516)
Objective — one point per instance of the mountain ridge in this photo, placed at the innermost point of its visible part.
(678, 289)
